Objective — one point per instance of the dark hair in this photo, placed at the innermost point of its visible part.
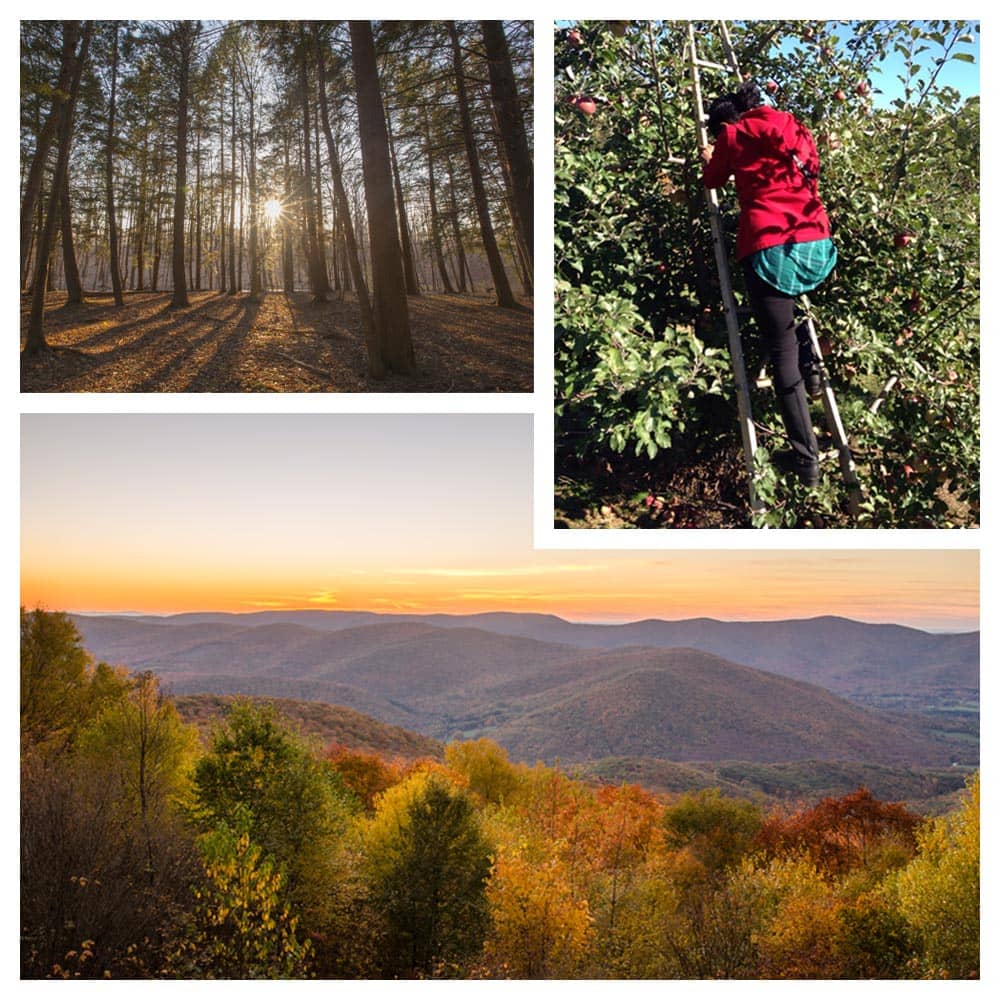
(747, 97)
(722, 111)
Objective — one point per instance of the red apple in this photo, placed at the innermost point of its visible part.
(650, 500)
(903, 239)
(771, 86)
(913, 303)
(662, 268)
(839, 95)
(574, 38)
(862, 88)
(908, 471)
(585, 104)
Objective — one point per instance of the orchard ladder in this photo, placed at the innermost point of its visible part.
(747, 429)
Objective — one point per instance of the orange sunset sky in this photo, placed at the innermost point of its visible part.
(431, 513)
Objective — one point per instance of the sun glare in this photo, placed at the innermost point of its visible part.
(272, 209)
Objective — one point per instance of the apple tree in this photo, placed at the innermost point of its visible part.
(641, 370)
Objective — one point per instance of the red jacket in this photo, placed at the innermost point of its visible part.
(779, 200)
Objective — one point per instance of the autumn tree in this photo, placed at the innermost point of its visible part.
(938, 892)
(845, 832)
(428, 865)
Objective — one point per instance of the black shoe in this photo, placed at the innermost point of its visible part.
(791, 462)
(812, 380)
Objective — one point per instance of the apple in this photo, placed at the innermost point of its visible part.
(662, 268)
(771, 86)
(605, 510)
(650, 500)
(808, 34)
(908, 471)
(902, 239)
(585, 104)
(913, 303)
(862, 88)
(839, 95)
(574, 38)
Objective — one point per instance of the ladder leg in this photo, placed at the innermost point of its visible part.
(834, 424)
(747, 430)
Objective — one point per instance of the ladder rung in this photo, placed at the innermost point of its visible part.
(713, 65)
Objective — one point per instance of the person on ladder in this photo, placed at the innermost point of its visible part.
(783, 242)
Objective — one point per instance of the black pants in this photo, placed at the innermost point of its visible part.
(775, 315)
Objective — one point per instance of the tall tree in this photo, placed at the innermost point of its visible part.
(505, 297)
(513, 137)
(376, 366)
(181, 41)
(35, 342)
(109, 172)
(392, 318)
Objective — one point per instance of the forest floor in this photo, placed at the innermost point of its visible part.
(282, 343)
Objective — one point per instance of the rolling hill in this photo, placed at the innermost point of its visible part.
(598, 696)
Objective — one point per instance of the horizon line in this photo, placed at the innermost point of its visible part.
(611, 623)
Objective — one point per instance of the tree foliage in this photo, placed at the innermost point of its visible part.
(428, 863)
(640, 363)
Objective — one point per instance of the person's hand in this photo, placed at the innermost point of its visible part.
(706, 153)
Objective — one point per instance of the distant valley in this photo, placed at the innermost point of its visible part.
(698, 691)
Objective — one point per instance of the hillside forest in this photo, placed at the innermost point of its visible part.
(156, 845)
(276, 206)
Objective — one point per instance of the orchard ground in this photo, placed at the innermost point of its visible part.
(280, 343)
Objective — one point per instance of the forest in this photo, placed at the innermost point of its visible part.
(152, 848)
(276, 205)
(647, 433)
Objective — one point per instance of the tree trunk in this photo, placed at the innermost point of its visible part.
(233, 287)
(317, 278)
(71, 273)
(186, 33)
(392, 319)
(109, 168)
(35, 342)
(406, 245)
(376, 367)
(287, 249)
(222, 189)
(513, 137)
(36, 173)
(197, 210)
(456, 229)
(435, 218)
(505, 297)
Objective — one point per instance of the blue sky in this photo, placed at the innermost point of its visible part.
(962, 75)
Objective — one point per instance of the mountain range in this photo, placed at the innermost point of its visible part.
(545, 688)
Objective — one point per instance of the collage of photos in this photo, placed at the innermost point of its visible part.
(499, 636)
